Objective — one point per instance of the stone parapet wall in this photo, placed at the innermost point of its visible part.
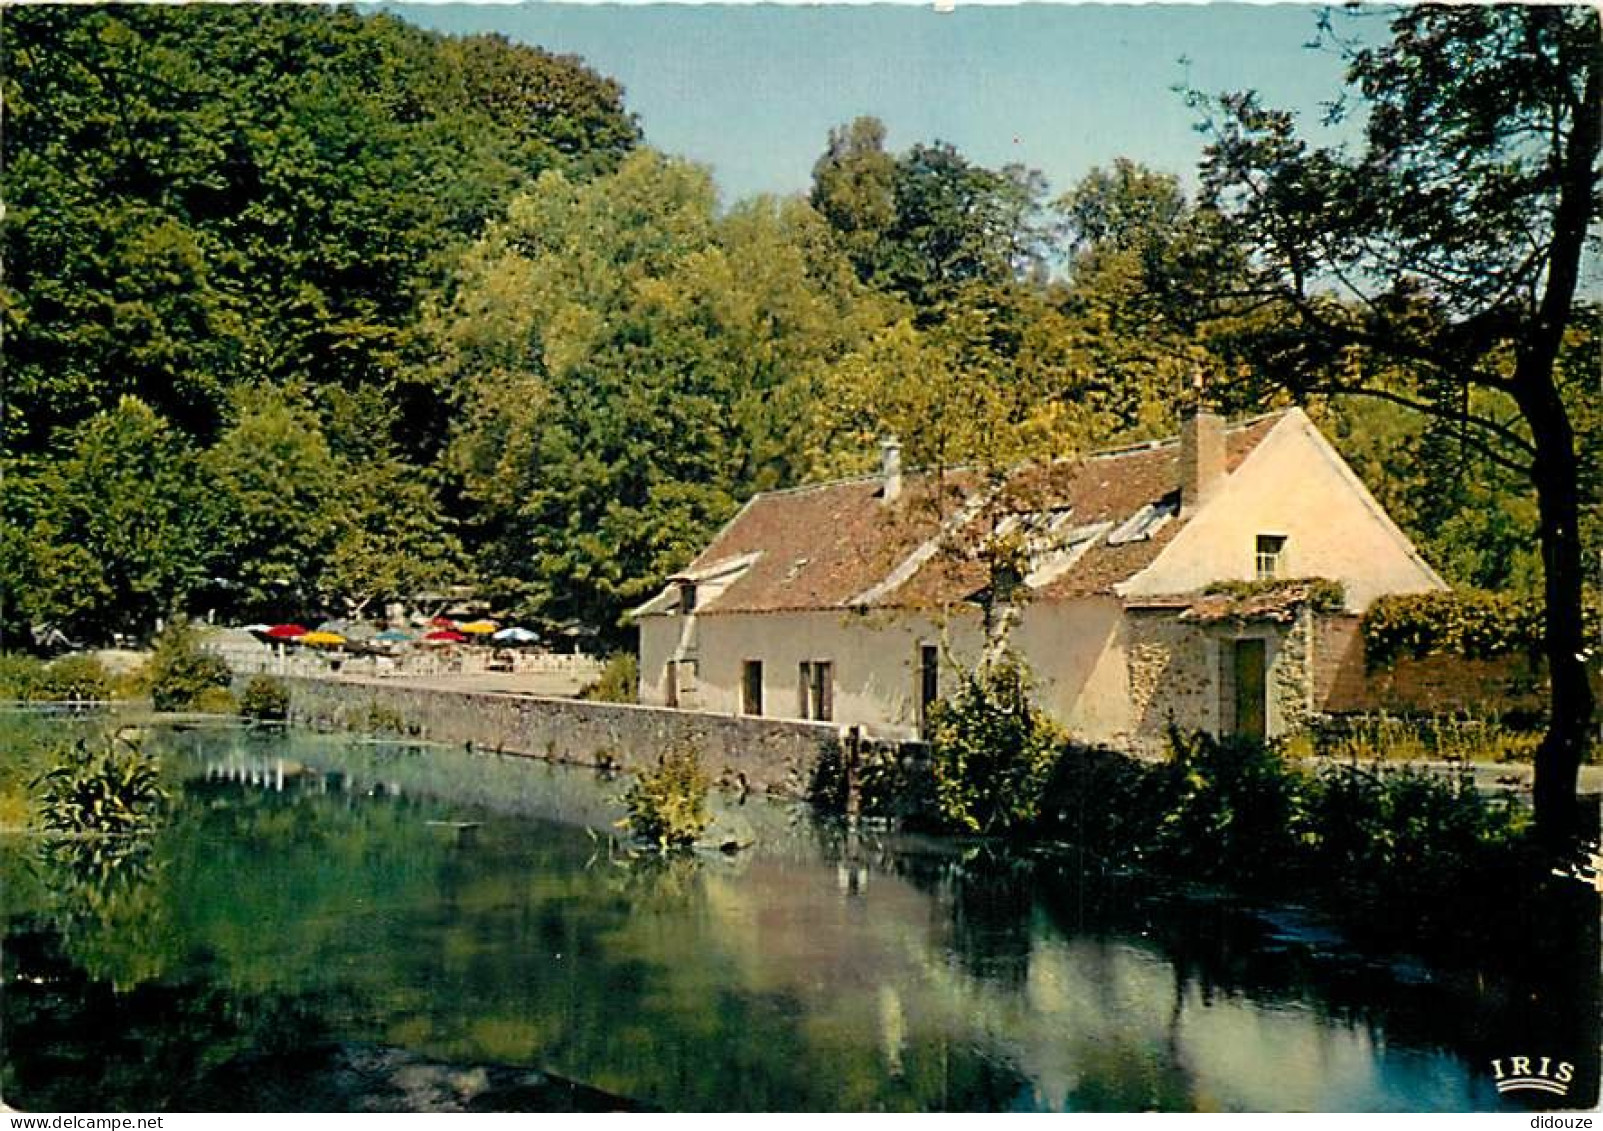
(769, 755)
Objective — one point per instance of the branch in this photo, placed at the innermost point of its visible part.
(1492, 427)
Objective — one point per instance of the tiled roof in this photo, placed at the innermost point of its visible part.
(830, 545)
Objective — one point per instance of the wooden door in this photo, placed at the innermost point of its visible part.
(1252, 704)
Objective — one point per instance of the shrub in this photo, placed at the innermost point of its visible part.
(179, 672)
(891, 782)
(991, 750)
(111, 787)
(265, 699)
(19, 675)
(1102, 800)
(668, 805)
(74, 679)
(1464, 622)
(384, 720)
(215, 701)
(619, 681)
(1321, 593)
(1401, 840)
(1231, 808)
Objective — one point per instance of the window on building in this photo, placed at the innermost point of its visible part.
(751, 687)
(929, 683)
(687, 597)
(1270, 556)
(816, 690)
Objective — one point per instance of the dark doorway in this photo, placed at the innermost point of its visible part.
(751, 688)
(929, 683)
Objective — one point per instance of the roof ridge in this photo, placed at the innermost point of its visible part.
(1098, 453)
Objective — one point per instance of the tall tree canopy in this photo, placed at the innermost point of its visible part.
(202, 195)
(1439, 267)
(628, 364)
(209, 202)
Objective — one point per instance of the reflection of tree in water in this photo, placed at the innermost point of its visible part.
(145, 1047)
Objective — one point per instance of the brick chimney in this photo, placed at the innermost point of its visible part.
(890, 463)
(1202, 458)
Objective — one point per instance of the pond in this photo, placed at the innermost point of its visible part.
(339, 924)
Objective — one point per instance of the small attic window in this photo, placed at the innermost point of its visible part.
(1143, 524)
(687, 597)
(1270, 556)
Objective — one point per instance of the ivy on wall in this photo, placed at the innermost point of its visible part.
(1472, 623)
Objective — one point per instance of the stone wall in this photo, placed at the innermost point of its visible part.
(1181, 672)
(1430, 685)
(768, 755)
(1173, 675)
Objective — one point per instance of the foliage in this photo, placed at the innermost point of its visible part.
(619, 681)
(111, 787)
(209, 195)
(1376, 738)
(892, 782)
(265, 699)
(75, 678)
(1229, 809)
(180, 672)
(1321, 594)
(109, 532)
(215, 701)
(927, 223)
(991, 750)
(381, 719)
(20, 674)
(668, 805)
(1388, 838)
(1439, 268)
(206, 201)
(627, 364)
(1374, 843)
(1460, 622)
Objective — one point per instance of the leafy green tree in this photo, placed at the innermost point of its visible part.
(628, 365)
(1440, 268)
(206, 195)
(992, 751)
(107, 535)
(275, 505)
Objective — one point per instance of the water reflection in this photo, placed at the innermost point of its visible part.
(310, 895)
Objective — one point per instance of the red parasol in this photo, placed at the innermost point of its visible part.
(445, 636)
(284, 632)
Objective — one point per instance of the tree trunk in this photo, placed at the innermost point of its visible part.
(1563, 748)
(1556, 473)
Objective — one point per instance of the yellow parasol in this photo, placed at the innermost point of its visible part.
(323, 638)
(477, 627)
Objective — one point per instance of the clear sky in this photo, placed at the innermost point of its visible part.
(752, 90)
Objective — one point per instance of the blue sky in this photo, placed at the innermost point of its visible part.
(752, 90)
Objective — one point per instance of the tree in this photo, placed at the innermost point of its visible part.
(927, 223)
(275, 506)
(205, 196)
(108, 537)
(627, 365)
(1440, 268)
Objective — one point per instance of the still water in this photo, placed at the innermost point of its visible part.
(310, 930)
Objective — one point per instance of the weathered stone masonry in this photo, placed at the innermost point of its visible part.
(769, 755)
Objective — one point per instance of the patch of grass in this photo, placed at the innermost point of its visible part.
(1395, 738)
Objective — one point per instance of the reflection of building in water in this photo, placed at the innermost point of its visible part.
(279, 775)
